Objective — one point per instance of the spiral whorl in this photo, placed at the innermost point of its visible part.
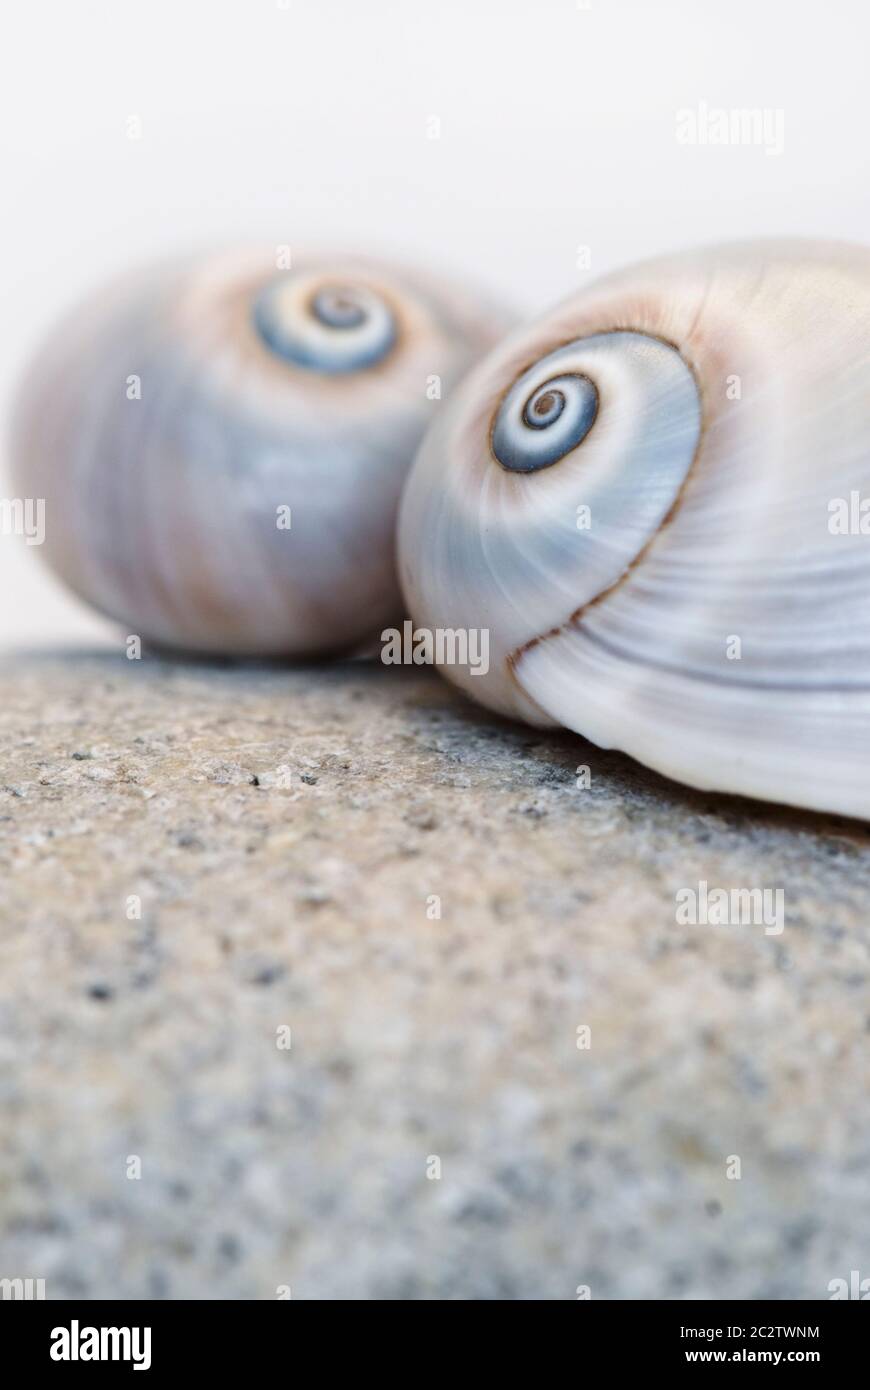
(324, 326)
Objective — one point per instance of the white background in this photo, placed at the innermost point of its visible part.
(295, 120)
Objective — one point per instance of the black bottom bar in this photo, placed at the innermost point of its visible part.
(167, 1338)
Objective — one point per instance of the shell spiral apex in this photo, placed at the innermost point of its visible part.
(650, 499)
(221, 445)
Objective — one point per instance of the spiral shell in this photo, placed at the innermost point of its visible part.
(221, 446)
(637, 497)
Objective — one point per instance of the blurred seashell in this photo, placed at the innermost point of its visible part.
(642, 498)
(222, 446)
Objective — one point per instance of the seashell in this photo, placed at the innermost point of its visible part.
(222, 447)
(651, 499)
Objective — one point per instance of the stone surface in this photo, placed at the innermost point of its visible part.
(285, 830)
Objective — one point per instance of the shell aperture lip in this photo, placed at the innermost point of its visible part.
(331, 327)
(536, 429)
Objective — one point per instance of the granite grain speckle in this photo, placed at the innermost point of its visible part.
(284, 831)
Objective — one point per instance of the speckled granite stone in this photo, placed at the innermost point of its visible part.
(285, 831)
